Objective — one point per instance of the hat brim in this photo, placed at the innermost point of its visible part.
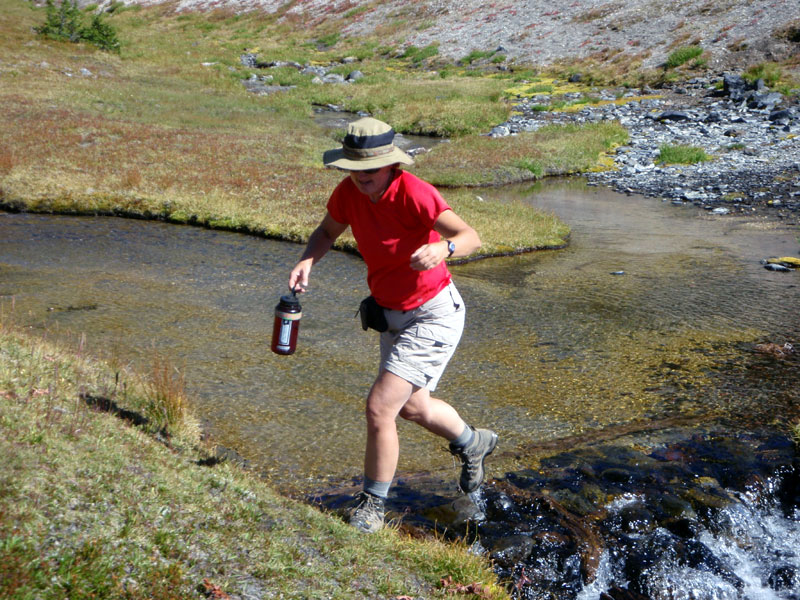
(336, 158)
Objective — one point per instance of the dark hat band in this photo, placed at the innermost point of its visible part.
(360, 153)
(369, 141)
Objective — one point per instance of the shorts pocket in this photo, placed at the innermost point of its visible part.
(437, 336)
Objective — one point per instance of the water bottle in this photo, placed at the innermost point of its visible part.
(287, 324)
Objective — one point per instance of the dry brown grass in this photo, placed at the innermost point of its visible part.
(167, 402)
(6, 161)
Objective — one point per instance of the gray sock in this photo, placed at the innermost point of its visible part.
(377, 488)
(463, 440)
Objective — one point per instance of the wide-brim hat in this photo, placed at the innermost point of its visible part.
(369, 144)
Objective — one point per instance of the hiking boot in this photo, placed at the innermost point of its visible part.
(472, 457)
(368, 514)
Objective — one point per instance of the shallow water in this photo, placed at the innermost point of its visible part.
(557, 344)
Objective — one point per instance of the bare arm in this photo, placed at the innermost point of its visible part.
(453, 228)
(319, 243)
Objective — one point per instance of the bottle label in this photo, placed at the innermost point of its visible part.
(285, 334)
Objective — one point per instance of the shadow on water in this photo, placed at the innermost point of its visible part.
(626, 375)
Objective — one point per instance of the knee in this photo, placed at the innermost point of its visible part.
(378, 417)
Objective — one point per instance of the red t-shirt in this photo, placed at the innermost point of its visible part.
(388, 232)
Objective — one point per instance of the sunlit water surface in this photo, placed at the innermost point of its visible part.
(646, 314)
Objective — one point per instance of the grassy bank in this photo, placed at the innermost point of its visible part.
(102, 496)
(166, 129)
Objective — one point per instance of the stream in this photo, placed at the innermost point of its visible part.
(632, 377)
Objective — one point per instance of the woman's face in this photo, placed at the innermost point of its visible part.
(373, 182)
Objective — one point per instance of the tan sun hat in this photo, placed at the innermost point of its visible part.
(369, 144)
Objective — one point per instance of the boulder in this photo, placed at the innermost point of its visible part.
(734, 86)
(765, 101)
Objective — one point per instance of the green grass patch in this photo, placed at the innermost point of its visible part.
(329, 40)
(518, 222)
(480, 160)
(683, 55)
(682, 154)
(477, 55)
(417, 55)
(771, 73)
(538, 89)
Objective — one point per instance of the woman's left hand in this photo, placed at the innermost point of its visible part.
(428, 256)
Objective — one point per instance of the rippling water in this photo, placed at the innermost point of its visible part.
(651, 312)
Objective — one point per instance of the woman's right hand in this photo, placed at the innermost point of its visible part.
(298, 278)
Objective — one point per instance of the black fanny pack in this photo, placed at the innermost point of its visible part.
(372, 315)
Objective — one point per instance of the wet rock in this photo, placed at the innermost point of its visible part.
(573, 502)
(635, 519)
(647, 512)
(777, 267)
(501, 506)
(618, 475)
(619, 593)
(674, 507)
(785, 577)
(512, 549)
(682, 528)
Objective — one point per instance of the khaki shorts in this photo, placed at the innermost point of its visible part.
(420, 342)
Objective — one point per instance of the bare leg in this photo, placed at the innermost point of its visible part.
(388, 395)
(392, 395)
(435, 415)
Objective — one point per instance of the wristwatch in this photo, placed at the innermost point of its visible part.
(451, 247)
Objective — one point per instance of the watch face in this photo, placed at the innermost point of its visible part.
(451, 247)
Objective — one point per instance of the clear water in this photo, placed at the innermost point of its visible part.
(556, 344)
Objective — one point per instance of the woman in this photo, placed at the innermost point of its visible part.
(405, 230)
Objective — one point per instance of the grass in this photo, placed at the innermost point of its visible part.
(682, 154)
(683, 55)
(551, 150)
(166, 130)
(417, 55)
(92, 506)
